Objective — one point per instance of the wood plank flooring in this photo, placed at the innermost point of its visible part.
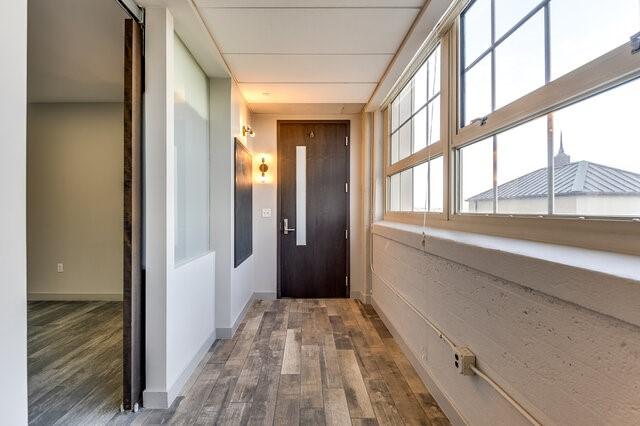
(74, 362)
(306, 362)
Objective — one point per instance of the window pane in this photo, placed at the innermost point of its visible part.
(394, 193)
(476, 177)
(520, 61)
(191, 161)
(404, 149)
(420, 130)
(583, 30)
(597, 165)
(394, 147)
(436, 184)
(476, 23)
(510, 12)
(420, 187)
(522, 169)
(420, 88)
(404, 108)
(434, 73)
(406, 191)
(394, 114)
(477, 90)
(434, 121)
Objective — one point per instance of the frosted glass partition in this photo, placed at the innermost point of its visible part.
(191, 141)
(301, 195)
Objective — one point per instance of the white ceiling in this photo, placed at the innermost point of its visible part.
(308, 51)
(75, 51)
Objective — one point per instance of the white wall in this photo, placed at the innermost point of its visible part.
(180, 299)
(13, 190)
(558, 339)
(265, 230)
(75, 193)
(234, 286)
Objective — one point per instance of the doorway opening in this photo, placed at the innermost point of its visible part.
(84, 276)
(313, 209)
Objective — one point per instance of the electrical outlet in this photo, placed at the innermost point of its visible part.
(463, 360)
(60, 267)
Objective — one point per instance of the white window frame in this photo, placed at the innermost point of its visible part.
(610, 70)
(424, 155)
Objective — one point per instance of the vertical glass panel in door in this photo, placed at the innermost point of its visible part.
(301, 195)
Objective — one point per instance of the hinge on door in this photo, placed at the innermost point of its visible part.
(346, 234)
(346, 281)
(346, 187)
(346, 141)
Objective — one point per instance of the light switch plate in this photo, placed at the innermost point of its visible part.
(266, 212)
(60, 267)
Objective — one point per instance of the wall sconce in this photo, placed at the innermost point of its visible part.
(247, 130)
(263, 169)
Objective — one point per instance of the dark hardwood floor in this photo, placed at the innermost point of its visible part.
(74, 362)
(311, 362)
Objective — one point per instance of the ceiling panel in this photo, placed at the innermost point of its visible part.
(306, 109)
(307, 92)
(328, 30)
(308, 3)
(308, 68)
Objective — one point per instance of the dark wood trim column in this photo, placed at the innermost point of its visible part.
(133, 337)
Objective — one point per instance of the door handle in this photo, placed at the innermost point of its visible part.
(285, 227)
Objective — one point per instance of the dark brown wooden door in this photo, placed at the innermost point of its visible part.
(313, 198)
(132, 343)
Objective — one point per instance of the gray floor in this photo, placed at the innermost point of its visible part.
(74, 362)
(307, 362)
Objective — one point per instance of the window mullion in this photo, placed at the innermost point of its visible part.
(550, 129)
(493, 105)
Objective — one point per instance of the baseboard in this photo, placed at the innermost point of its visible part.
(229, 332)
(74, 297)
(441, 398)
(162, 399)
(155, 399)
(269, 295)
(363, 297)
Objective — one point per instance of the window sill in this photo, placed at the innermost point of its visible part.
(605, 282)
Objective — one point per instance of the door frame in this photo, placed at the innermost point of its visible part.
(133, 340)
(279, 204)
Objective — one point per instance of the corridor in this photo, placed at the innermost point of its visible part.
(312, 361)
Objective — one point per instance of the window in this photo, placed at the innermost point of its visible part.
(511, 48)
(415, 184)
(511, 172)
(191, 140)
(539, 105)
(415, 113)
(418, 189)
(554, 164)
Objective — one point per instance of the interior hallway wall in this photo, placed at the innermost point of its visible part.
(234, 286)
(180, 296)
(265, 229)
(74, 200)
(13, 188)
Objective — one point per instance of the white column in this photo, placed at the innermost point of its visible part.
(158, 225)
(13, 253)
